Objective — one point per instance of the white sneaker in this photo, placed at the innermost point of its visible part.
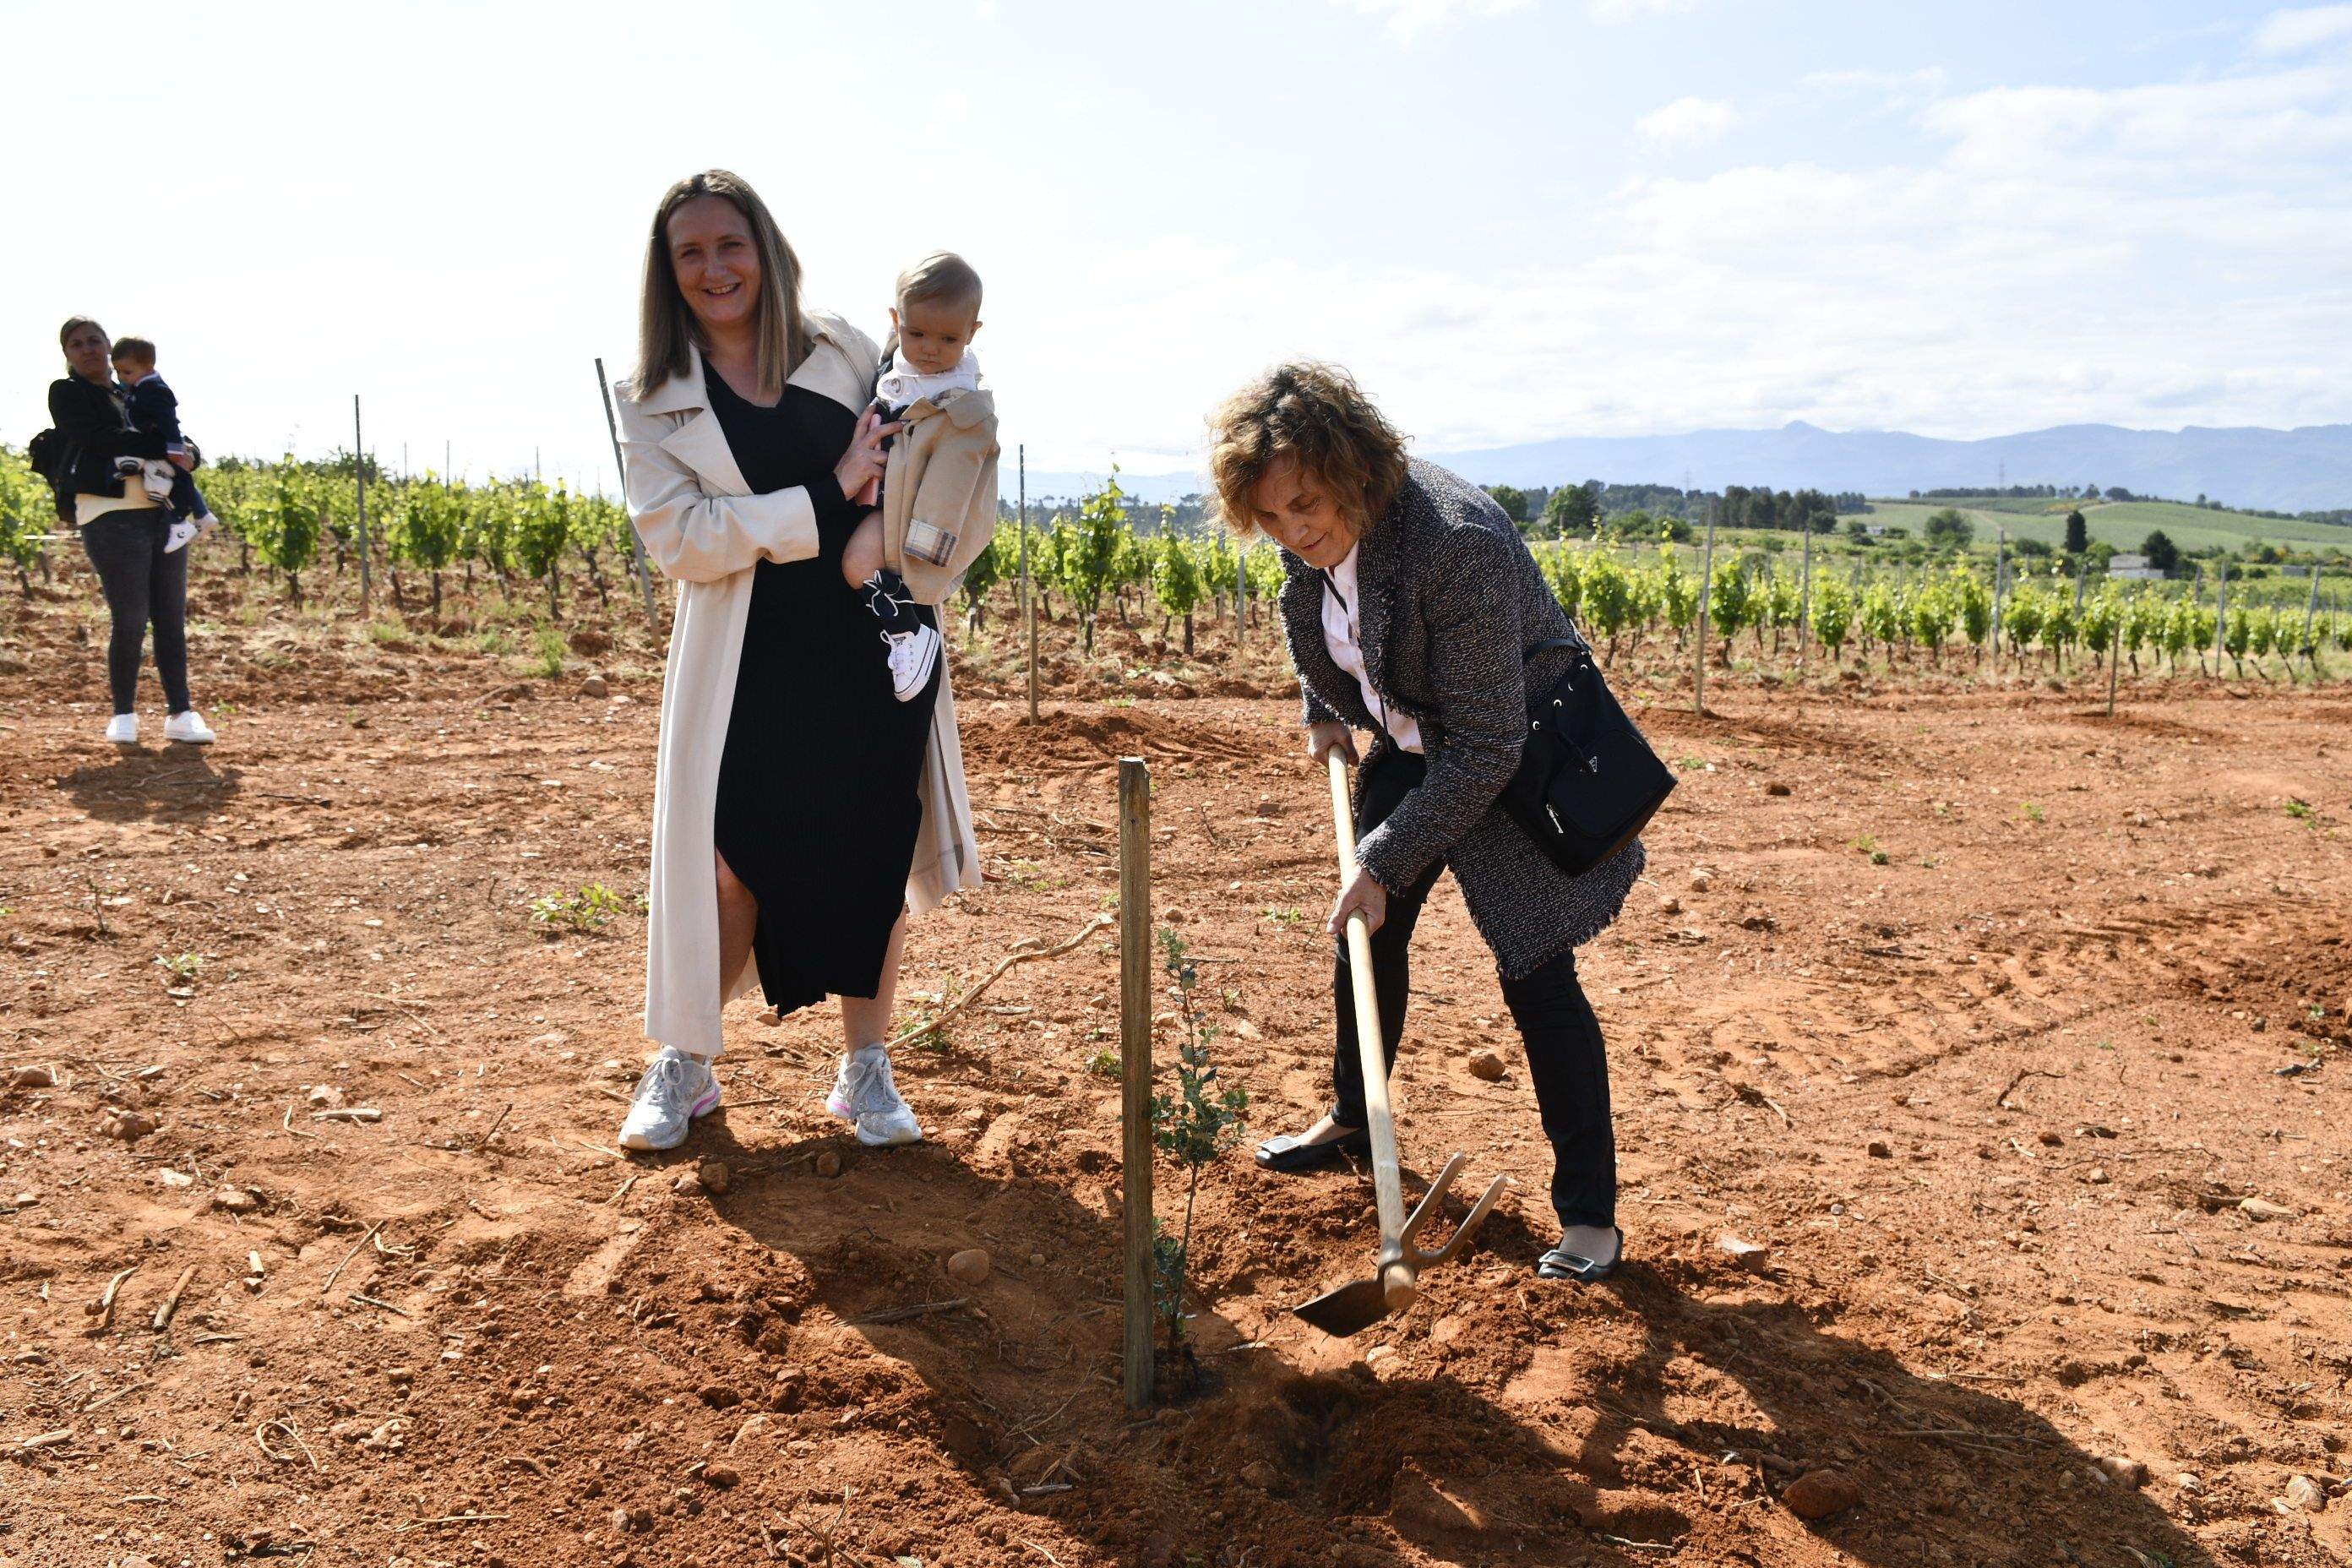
(912, 655)
(123, 729)
(865, 1096)
(676, 1090)
(189, 727)
(177, 536)
(205, 522)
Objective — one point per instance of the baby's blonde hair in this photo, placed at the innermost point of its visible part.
(943, 277)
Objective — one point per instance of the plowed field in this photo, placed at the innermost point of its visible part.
(2015, 1035)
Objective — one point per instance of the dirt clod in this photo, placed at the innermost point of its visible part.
(1752, 1254)
(1487, 1066)
(2129, 1471)
(716, 1176)
(1817, 1494)
(2305, 1493)
(969, 1267)
(236, 1199)
(828, 1163)
(129, 1126)
(33, 1078)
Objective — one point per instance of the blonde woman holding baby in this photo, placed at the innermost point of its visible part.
(809, 788)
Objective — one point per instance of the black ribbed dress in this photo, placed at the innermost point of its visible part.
(819, 796)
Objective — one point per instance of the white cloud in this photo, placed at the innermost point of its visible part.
(2288, 32)
(1408, 20)
(1687, 123)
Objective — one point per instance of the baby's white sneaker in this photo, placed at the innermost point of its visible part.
(912, 655)
(865, 1096)
(177, 537)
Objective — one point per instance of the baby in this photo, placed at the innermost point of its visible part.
(152, 408)
(936, 501)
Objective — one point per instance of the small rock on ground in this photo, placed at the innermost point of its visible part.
(2131, 1472)
(1817, 1494)
(1747, 1254)
(1487, 1066)
(969, 1267)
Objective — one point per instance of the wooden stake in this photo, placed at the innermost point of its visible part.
(2114, 655)
(1028, 587)
(2000, 564)
(637, 545)
(2310, 609)
(1135, 1064)
(359, 474)
(2220, 617)
(1805, 606)
(1706, 588)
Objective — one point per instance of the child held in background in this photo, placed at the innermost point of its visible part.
(937, 500)
(154, 407)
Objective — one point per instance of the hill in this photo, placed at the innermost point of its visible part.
(2122, 524)
(2283, 470)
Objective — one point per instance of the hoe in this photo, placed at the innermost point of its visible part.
(1395, 1282)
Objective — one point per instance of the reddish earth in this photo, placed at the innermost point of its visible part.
(1995, 1107)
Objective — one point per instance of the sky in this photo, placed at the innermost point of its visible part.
(1512, 219)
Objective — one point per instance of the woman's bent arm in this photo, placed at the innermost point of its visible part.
(694, 537)
(1474, 663)
(74, 411)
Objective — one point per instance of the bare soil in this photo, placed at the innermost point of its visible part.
(1972, 1006)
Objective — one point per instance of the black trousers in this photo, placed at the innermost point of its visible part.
(1566, 1058)
(143, 586)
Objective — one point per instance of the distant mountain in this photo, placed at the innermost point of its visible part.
(2308, 468)
(1149, 489)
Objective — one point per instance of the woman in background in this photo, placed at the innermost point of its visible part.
(124, 532)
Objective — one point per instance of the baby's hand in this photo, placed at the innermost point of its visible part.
(862, 557)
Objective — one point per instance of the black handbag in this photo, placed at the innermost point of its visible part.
(1586, 783)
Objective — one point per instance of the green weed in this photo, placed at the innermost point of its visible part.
(588, 909)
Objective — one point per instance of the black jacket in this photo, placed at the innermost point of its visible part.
(1452, 602)
(154, 407)
(96, 426)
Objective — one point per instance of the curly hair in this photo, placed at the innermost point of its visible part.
(1316, 415)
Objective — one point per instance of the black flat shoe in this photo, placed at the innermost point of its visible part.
(1289, 1156)
(1558, 1264)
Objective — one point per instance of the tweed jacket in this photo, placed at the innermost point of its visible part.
(704, 530)
(939, 493)
(1451, 601)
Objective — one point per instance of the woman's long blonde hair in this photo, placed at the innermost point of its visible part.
(1317, 417)
(667, 327)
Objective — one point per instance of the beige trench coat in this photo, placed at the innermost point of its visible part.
(703, 530)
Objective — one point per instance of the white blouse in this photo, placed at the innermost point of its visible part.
(1341, 637)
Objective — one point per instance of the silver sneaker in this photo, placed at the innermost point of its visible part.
(912, 655)
(676, 1090)
(864, 1095)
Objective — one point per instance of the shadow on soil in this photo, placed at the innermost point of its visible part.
(176, 783)
(1592, 1450)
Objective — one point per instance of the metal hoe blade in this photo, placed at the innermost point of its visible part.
(1395, 1283)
